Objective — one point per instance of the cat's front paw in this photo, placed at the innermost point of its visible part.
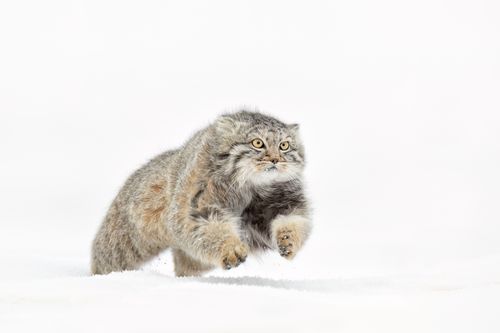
(234, 252)
(288, 244)
(290, 232)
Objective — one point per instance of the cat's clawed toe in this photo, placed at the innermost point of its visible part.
(287, 243)
(289, 233)
(233, 255)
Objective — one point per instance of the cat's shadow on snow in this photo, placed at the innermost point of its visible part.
(317, 285)
(306, 285)
(364, 284)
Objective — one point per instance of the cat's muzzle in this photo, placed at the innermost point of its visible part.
(271, 168)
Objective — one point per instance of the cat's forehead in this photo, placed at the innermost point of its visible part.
(269, 132)
(251, 125)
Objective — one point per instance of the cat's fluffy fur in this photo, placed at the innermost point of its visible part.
(212, 201)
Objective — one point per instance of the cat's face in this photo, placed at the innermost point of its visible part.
(270, 155)
(263, 150)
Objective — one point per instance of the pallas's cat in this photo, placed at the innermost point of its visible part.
(232, 189)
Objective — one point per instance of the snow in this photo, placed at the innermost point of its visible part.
(67, 299)
(399, 110)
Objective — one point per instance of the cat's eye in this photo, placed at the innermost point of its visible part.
(284, 145)
(257, 143)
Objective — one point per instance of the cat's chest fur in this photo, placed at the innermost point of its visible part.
(266, 204)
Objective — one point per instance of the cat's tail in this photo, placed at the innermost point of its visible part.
(113, 248)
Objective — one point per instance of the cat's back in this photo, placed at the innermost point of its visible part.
(162, 173)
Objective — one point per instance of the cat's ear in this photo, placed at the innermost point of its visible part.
(294, 128)
(227, 124)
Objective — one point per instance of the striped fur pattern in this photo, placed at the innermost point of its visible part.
(213, 201)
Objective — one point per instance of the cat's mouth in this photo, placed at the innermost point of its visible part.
(267, 166)
(268, 172)
(271, 168)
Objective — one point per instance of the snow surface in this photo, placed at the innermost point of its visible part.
(399, 108)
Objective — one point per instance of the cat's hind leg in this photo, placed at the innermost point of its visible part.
(114, 251)
(121, 245)
(185, 265)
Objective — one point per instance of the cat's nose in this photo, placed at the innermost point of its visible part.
(274, 160)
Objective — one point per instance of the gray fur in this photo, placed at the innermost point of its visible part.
(212, 201)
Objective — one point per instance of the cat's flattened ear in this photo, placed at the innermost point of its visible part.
(225, 124)
(294, 128)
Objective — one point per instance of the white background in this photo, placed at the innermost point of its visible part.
(399, 108)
